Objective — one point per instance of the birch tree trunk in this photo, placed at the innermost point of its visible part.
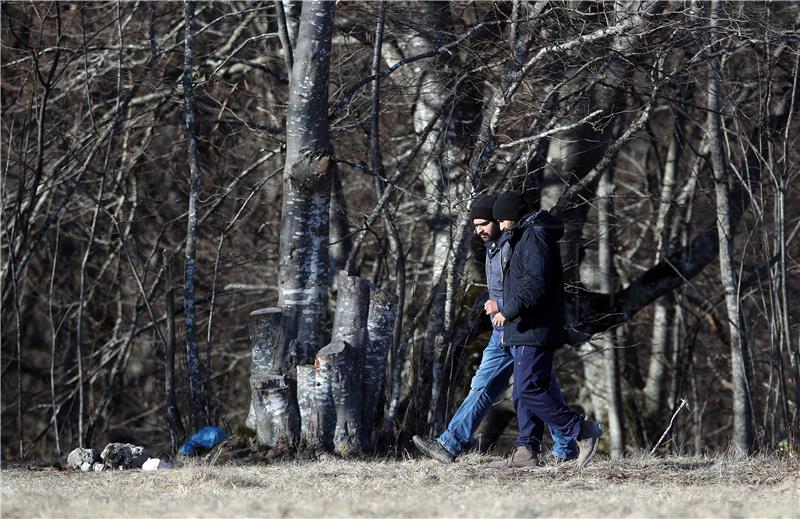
(347, 351)
(439, 158)
(264, 328)
(291, 13)
(431, 89)
(341, 240)
(380, 332)
(309, 422)
(659, 372)
(342, 386)
(192, 355)
(742, 412)
(605, 260)
(173, 415)
(303, 271)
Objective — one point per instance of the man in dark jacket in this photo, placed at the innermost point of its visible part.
(533, 321)
(491, 378)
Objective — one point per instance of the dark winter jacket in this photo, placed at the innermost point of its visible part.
(533, 284)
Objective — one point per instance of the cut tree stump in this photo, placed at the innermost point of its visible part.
(338, 385)
(310, 429)
(272, 413)
(339, 369)
(380, 329)
(265, 332)
(275, 422)
(352, 308)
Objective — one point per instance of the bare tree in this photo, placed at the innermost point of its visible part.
(306, 142)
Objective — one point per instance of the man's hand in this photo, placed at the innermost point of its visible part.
(490, 307)
(499, 319)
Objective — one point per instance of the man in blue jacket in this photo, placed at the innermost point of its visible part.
(532, 318)
(492, 377)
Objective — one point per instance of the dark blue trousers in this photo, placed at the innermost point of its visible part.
(535, 406)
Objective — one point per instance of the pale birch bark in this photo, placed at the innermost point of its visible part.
(742, 410)
(383, 311)
(264, 329)
(605, 261)
(341, 387)
(431, 90)
(659, 368)
(303, 271)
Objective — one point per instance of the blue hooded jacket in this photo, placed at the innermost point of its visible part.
(533, 284)
(498, 255)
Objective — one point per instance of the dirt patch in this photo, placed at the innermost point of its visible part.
(674, 487)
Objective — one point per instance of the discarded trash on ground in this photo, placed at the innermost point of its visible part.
(156, 464)
(205, 438)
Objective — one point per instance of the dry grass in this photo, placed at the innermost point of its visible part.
(673, 487)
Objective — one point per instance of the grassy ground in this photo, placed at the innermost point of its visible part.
(672, 487)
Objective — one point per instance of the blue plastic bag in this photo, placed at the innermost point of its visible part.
(207, 438)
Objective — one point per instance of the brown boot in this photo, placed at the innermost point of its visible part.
(522, 457)
(588, 437)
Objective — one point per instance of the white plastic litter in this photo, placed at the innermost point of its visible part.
(155, 464)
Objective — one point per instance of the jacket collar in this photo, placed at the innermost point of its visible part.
(493, 247)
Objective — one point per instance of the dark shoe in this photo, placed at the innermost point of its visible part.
(588, 437)
(522, 457)
(433, 449)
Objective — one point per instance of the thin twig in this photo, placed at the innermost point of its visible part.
(551, 131)
(669, 427)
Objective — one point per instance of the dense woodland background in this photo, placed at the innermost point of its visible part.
(168, 168)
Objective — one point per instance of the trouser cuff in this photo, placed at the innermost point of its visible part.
(452, 446)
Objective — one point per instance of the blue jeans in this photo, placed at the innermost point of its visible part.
(488, 384)
(534, 401)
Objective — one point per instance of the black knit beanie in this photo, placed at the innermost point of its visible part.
(482, 208)
(509, 206)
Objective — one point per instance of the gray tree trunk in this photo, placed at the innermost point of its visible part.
(742, 412)
(264, 327)
(343, 383)
(303, 271)
(660, 368)
(593, 388)
(291, 11)
(176, 430)
(350, 328)
(605, 261)
(324, 407)
(272, 414)
(352, 308)
(341, 240)
(192, 355)
(276, 420)
(431, 90)
(309, 415)
(380, 332)
(283, 34)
